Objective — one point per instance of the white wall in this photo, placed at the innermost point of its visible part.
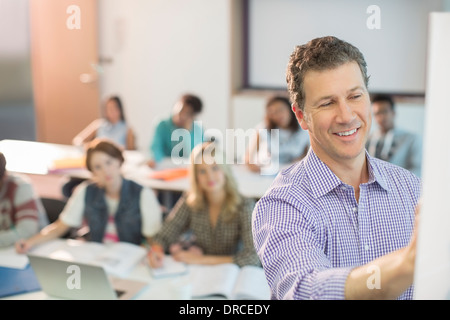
(277, 26)
(161, 49)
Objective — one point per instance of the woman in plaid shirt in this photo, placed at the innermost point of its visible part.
(213, 212)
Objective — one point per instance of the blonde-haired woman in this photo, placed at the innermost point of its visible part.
(213, 212)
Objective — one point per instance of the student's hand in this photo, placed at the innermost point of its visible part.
(151, 163)
(175, 248)
(155, 256)
(253, 167)
(22, 246)
(193, 255)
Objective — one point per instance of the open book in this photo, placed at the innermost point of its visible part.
(117, 258)
(67, 164)
(229, 281)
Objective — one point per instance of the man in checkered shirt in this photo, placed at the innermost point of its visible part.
(339, 224)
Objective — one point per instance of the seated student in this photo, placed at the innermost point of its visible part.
(292, 142)
(393, 144)
(112, 126)
(183, 115)
(113, 208)
(21, 211)
(213, 211)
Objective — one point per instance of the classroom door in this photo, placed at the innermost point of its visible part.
(64, 57)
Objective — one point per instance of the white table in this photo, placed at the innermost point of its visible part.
(157, 289)
(37, 158)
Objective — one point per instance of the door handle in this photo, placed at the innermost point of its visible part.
(87, 78)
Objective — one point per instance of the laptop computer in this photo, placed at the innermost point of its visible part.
(81, 281)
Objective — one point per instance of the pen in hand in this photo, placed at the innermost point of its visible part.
(21, 246)
(155, 256)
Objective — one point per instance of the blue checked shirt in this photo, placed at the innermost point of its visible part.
(310, 232)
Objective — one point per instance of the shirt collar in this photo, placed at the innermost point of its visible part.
(375, 172)
(323, 180)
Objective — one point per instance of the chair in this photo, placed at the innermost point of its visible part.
(53, 208)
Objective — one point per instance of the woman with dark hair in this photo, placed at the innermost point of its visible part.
(112, 126)
(112, 207)
(279, 138)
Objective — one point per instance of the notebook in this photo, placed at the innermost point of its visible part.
(169, 174)
(17, 281)
(81, 281)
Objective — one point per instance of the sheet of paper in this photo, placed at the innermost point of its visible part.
(11, 259)
(170, 267)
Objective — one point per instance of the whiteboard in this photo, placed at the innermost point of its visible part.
(432, 274)
(395, 53)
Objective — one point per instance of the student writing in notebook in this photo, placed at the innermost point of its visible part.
(21, 211)
(339, 224)
(112, 207)
(213, 212)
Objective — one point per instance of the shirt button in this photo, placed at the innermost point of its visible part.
(366, 247)
(355, 209)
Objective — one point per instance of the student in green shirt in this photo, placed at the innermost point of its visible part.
(169, 140)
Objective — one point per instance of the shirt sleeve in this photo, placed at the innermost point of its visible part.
(72, 214)
(295, 264)
(157, 145)
(198, 135)
(151, 213)
(22, 230)
(26, 215)
(415, 156)
(175, 224)
(25, 203)
(246, 256)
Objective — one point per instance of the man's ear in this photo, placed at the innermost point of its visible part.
(299, 114)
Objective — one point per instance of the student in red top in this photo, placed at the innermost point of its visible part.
(21, 211)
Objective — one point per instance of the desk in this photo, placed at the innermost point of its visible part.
(37, 158)
(158, 289)
(128, 261)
